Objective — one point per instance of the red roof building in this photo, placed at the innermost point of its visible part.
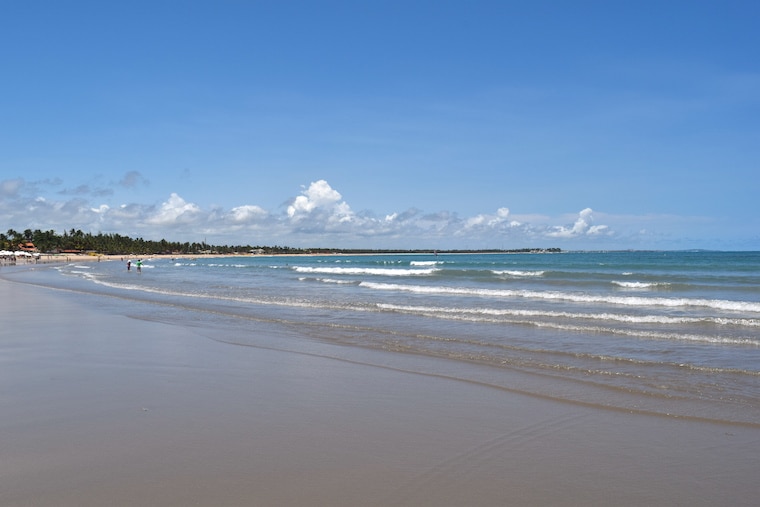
(27, 246)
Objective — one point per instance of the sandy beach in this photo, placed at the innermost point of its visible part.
(58, 258)
(105, 408)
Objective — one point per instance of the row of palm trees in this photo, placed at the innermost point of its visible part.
(116, 244)
(77, 240)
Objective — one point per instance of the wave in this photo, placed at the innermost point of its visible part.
(485, 315)
(518, 273)
(329, 280)
(424, 263)
(478, 316)
(629, 319)
(718, 304)
(365, 271)
(640, 285)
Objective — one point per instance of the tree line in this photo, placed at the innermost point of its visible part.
(76, 240)
(113, 244)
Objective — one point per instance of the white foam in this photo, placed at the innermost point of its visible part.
(477, 315)
(518, 273)
(719, 304)
(365, 271)
(332, 280)
(640, 285)
(631, 319)
(423, 263)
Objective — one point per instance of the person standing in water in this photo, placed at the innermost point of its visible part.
(139, 265)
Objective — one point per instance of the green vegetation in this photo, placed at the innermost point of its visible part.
(116, 244)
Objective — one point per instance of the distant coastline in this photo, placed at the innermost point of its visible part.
(360, 251)
(77, 242)
(47, 258)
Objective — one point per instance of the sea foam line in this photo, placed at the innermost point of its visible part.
(719, 304)
(518, 273)
(631, 319)
(366, 271)
(635, 333)
(640, 285)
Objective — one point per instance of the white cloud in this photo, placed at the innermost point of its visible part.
(319, 216)
(319, 195)
(596, 230)
(500, 217)
(175, 211)
(320, 205)
(246, 214)
(582, 226)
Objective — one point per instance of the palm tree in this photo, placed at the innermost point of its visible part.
(14, 238)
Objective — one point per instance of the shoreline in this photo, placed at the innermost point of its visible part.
(84, 257)
(101, 406)
(89, 257)
(62, 258)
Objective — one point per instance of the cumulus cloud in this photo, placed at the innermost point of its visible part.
(597, 230)
(490, 220)
(320, 205)
(174, 211)
(318, 216)
(319, 195)
(582, 226)
(246, 214)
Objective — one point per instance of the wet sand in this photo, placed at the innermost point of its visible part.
(101, 409)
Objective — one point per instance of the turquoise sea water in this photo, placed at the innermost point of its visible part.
(672, 333)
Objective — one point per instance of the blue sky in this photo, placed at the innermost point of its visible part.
(385, 124)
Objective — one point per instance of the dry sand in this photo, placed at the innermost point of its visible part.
(101, 409)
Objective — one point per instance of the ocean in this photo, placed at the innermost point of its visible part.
(675, 334)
